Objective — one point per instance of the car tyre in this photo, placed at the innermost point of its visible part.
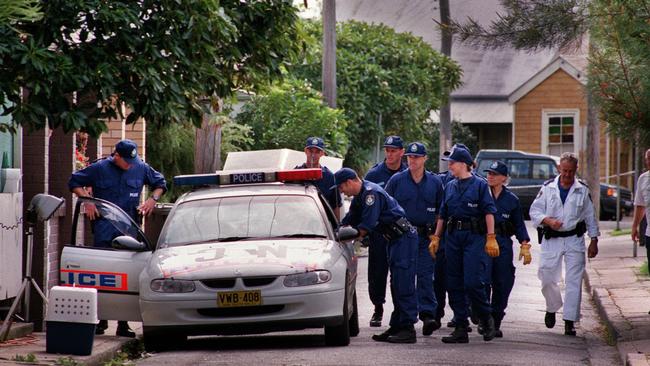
(339, 335)
(354, 318)
(158, 342)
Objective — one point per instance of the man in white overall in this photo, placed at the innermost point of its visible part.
(563, 212)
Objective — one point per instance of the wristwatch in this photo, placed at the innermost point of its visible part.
(155, 198)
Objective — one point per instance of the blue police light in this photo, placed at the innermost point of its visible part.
(242, 177)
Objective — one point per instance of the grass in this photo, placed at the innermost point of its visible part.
(644, 269)
(126, 356)
(620, 232)
(29, 358)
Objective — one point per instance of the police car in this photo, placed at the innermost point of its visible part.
(243, 253)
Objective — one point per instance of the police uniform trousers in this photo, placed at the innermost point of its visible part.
(467, 274)
(502, 278)
(440, 279)
(377, 268)
(427, 304)
(402, 259)
(572, 249)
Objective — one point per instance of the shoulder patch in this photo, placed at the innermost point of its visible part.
(370, 199)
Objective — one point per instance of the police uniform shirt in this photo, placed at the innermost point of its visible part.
(467, 198)
(509, 209)
(445, 177)
(578, 206)
(642, 195)
(420, 200)
(121, 187)
(372, 207)
(324, 186)
(380, 174)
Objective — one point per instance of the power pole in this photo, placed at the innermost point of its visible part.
(592, 151)
(329, 52)
(445, 110)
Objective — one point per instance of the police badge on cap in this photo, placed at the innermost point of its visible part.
(128, 150)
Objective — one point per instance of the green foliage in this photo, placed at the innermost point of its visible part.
(129, 352)
(29, 358)
(13, 11)
(382, 72)
(644, 269)
(66, 361)
(234, 137)
(290, 113)
(460, 134)
(86, 58)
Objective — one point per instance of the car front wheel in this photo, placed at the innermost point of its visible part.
(339, 335)
(157, 342)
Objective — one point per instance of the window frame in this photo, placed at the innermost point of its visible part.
(547, 114)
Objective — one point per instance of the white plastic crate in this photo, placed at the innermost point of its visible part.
(72, 305)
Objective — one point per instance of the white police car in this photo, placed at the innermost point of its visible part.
(259, 256)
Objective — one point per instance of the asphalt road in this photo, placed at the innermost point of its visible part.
(526, 340)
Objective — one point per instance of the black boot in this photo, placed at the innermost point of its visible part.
(383, 337)
(497, 328)
(487, 325)
(123, 330)
(569, 328)
(429, 325)
(452, 324)
(404, 335)
(549, 320)
(459, 335)
(101, 327)
(375, 321)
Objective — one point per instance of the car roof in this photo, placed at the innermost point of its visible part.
(262, 189)
(504, 154)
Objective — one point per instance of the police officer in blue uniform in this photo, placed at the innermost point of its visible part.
(373, 210)
(508, 221)
(377, 257)
(468, 209)
(118, 179)
(419, 192)
(314, 151)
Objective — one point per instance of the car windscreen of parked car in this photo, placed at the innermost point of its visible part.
(241, 218)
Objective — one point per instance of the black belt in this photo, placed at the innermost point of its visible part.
(504, 228)
(424, 230)
(548, 233)
(473, 225)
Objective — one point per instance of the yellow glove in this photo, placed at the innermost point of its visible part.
(524, 252)
(433, 245)
(491, 245)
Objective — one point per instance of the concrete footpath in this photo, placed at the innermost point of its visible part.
(622, 296)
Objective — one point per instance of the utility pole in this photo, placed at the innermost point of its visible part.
(592, 152)
(445, 110)
(329, 52)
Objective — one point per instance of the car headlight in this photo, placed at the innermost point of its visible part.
(307, 278)
(612, 192)
(172, 286)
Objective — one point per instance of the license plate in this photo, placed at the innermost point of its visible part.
(228, 299)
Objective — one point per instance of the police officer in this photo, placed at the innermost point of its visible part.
(419, 192)
(508, 221)
(377, 255)
(373, 210)
(564, 212)
(118, 179)
(468, 210)
(314, 151)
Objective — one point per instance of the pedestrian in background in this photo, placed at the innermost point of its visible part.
(373, 210)
(508, 221)
(468, 209)
(641, 204)
(377, 251)
(564, 212)
(419, 192)
(118, 179)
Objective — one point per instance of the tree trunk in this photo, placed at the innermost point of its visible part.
(329, 52)
(207, 150)
(445, 110)
(592, 159)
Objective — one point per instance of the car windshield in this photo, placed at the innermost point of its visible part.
(242, 218)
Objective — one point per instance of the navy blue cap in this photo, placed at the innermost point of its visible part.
(316, 142)
(128, 151)
(498, 167)
(394, 142)
(460, 155)
(342, 175)
(416, 149)
(460, 146)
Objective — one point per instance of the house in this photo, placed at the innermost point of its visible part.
(509, 99)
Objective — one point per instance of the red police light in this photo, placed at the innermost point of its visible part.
(299, 175)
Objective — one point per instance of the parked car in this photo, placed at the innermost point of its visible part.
(529, 171)
(260, 256)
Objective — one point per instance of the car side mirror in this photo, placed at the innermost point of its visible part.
(128, 243)
(346, 233)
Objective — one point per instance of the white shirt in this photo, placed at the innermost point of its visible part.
(577, 207)
(642, 195)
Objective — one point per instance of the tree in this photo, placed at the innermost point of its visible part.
(13, 11)
(86, 58)
(461, 134)
(290, 113)
(380, 73)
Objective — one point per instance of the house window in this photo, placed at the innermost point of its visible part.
(560, 135)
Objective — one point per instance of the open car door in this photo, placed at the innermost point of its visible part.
(114, 272)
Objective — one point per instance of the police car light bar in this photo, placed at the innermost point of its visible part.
(225, 177)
